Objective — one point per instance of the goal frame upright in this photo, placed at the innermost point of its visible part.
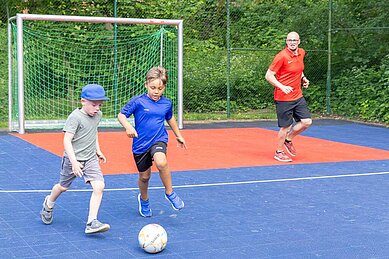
(88, 19)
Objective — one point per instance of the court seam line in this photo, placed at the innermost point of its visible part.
(212, 184)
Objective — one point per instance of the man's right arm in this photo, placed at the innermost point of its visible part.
(271, 78)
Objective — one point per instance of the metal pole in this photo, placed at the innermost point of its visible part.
(228, 61)
(115, 65)
(161, 50)
(69, 18)
(180, 73)
(328, 103)
(9, 76)
(19, 24)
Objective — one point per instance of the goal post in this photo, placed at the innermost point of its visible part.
(53, 56)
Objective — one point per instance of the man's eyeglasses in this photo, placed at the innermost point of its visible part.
(292, 40)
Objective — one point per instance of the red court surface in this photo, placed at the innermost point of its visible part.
(216, 148)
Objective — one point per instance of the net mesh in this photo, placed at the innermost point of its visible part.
(62, 57)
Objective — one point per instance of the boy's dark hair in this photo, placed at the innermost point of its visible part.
(157, 73)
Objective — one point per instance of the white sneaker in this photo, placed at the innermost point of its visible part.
(96, 227)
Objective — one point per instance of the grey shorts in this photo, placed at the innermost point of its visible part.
(91, 170)
(287, 111)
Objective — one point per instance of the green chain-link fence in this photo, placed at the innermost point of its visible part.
(360, 61)
(3, 66)
(228, 46)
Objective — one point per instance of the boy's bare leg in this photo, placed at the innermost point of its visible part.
(143, 197)
(95, 199)
(166, 177)
(94, 225)
(164, 172)
(143, 183)
(49, 202)
(55, 193)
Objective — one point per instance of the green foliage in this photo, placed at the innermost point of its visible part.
(316, 96)
(207, 22)
(205, 86)
(248, 29)
(3, 75)
(360, 33)
(247, 93)
(363, 93)
(359, 49)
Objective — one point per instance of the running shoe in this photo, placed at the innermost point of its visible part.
(46, 212)
(282, 157)
(96, 226)
(290, 148)
(144, 207)
(175, 201)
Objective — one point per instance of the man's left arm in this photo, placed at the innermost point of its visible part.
(305, 80)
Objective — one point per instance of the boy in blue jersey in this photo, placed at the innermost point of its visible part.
(150, 137)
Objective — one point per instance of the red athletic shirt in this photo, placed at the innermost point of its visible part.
(288, 68)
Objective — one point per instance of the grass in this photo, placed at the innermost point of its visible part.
(247, 115)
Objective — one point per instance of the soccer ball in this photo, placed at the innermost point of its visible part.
(152, 238)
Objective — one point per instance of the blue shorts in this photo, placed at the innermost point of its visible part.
(145, 160)
(289, 110)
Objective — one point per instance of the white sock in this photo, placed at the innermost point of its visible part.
(90, 219)
(49, 203)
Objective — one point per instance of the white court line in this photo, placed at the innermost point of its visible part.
(213, 184)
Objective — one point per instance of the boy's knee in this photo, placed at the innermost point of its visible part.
(161, 163)
(61, 188)
(144, 177)
(98, 186)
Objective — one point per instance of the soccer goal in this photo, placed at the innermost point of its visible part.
(51, 57)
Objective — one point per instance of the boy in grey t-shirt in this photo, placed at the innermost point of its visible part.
(81, 158)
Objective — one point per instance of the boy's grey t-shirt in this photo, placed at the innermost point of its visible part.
(84, 128)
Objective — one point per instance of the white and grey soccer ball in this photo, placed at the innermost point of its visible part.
(152, 238)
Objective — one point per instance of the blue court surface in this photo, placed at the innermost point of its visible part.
(316, 210)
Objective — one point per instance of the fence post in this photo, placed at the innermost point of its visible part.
(328, 103)
(228, 60)
(115, 65)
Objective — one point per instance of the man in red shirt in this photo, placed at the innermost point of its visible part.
(286, 73)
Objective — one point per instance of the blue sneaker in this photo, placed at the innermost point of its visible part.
(175, 201)
(144, 207)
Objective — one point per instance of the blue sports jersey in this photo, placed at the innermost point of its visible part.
(149, 117)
